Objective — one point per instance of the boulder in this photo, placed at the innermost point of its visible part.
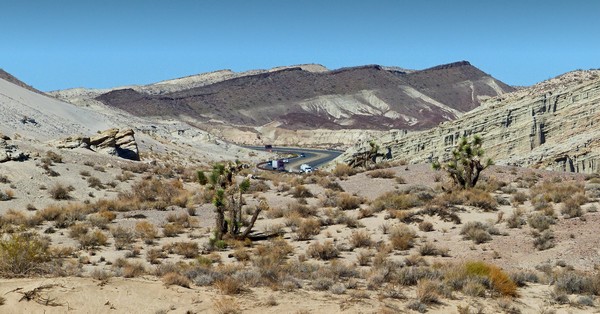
(10, 152)
(110, 142)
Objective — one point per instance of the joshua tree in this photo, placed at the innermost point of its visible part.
(465, 164)
(228, 197)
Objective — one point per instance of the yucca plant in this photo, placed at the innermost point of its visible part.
(466, 163)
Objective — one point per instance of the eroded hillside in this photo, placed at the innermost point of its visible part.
(552, 125)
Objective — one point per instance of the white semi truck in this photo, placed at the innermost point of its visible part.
(306, 168)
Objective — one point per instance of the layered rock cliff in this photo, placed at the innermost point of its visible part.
(552, 125)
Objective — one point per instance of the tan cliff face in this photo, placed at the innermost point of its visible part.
(552, 125)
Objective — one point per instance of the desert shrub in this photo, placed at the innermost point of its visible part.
(134, 269)
(146, 231)
(153, 255)
(363, 258)
(571, 208)
(343, 170)
(59, 192)
(123, 237)
(360, 238)
(402, 237)
(479, 198)
(54, 157)
(519, 198)
(22, 254)
(382, 173)
(308, 228)
(500, 281)
(400, 180)
(515, 220)
(476, 231)
(229, 286)
(555, 192)
(325, 251)
(92, 239)
(540, 221)
(172, 229)
(346, 201)
(395, 201)
(520, 278)
(301, 191)
(172, 278)
(425, 226)
(428, 291)
(95, 183)
(544, 240)
(430, 249)
(474, 287)
(302, 210)
(185, 249)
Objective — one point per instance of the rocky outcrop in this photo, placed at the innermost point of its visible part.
(111, 142)
(10, 152)
(554, 125)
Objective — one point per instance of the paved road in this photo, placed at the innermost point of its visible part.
(313, 157)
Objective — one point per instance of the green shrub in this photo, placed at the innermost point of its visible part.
(22, 254)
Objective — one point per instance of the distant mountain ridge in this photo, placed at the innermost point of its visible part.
(365, 97)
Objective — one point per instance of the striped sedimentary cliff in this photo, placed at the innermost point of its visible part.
(552, 125)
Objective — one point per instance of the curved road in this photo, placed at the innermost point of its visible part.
(313, 157)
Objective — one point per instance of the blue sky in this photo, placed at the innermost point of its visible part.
(61, 44)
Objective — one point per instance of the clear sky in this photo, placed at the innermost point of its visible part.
(104, 43)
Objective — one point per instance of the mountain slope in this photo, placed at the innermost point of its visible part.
(368, 97)
(551, 125)
(36, 119)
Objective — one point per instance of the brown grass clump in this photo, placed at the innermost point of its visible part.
(123, 237)
(500, 281)
(300, 209)
(426, 226)
(428, 291)
(476, 231)
(556, 192)
(134, 269)
(402, 237)
(395, 201)
(146, 231)
(59, 192)
(382, 173)
(172, 229)
(23, 254)
(571, 208)
(229, 286)
(347, 201)
(360, 238)
(226, 306)
(173, 278)
(307, 229)
(325, 251)
(185, 249)
(343, 170)
(300, 191)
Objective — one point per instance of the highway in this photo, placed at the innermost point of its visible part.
(313, 157)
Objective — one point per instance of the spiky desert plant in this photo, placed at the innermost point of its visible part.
(466, 163)
(228, 197)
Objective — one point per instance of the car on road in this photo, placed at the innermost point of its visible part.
(302, 155)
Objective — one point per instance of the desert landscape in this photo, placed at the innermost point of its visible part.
(107, 207)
